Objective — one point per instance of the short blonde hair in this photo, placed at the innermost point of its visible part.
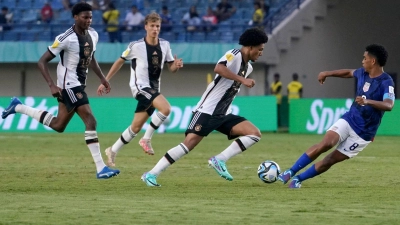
(152, 17)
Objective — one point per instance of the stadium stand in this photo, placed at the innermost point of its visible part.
(28, 27)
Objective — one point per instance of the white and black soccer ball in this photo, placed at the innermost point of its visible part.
(268, 171)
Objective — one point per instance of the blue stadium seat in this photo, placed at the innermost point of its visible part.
(103, 36)
(197, 37)
(27, 36)
(24, 4)
(212, 36)
(38, 4)
(126, 37)
(97, 16)
(44, 36)
(226, 36)
(30, 16)
(11, 4)
(10, 36)
(56, 4)
(169, 36)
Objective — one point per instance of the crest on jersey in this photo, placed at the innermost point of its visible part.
(86, 51)
(155, 60)
(366, 86)
(229, 57)
(55, 44)
(79, 95)
(197, 127)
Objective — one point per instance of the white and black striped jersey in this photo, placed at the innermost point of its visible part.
(76, 52)
(147, 62)
(220, 93)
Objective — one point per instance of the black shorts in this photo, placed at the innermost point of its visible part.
(145, 100)
(202, 124)
(73, 97)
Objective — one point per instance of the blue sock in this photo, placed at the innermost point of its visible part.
(309, 173)
(302, 162)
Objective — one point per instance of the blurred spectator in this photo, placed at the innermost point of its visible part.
(133, 19)
(5, 19)
(224, 10)
(209, 19)
(265, 8)
(99, 4)
(46, 13)
(258, 16)
(166, 19)
(294, 88)
(192, 19)
(111, 19)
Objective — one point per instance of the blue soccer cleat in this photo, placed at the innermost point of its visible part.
(106, 173)
(220, 167)
(150, 180)
(296, 183)
(285, 176)
(11, 108)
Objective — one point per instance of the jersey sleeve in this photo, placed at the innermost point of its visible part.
(96, 37)
(388, 93)
(169, 57)
(129, 53)
(230, 59)
(358, 73)
(60, 43)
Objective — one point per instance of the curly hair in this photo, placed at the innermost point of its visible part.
(253, 37)
(80, 7)
(379, 52)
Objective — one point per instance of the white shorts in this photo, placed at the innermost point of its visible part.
(350, 144)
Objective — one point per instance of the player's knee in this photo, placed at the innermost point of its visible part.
(326, 145)
(166, 111)
(256, 132)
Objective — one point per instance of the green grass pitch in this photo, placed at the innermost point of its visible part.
(50, 179)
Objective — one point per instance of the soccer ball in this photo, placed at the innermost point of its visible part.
(268, 171)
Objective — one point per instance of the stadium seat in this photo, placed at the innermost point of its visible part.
(27, 36)
(169, 36)
(197, 37)
(11, 4)
(10, 36)
(212, 36)
(44, 36)
(226, 36)
(24, 4)
(56, 4)
(30, 16)
(38, 4)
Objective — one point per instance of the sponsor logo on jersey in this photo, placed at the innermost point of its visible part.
(125, 53)
(197, 127)
(366, 86)
(55, 44)
(79, 95)
(229, 57)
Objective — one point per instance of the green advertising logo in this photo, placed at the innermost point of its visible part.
(116, 114)
(317, 115)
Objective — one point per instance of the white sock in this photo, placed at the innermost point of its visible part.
(42, 116)
(237, 147)
(93, 144)
(169, 158)
(156, 121)
(125, 138)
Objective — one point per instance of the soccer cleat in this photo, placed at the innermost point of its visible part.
(296, 183)
(110, 156)
(285, 176)
(11, 108)
(146, 145)
(220, 167)
(150, 180)
(106, 173)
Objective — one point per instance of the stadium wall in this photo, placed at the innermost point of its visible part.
(338, 41)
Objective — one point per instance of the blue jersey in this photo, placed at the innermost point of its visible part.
(365, 120)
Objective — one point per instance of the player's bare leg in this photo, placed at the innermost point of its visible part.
(92, 141)
(164, 108)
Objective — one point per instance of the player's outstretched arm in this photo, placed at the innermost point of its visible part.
(343, 73)
(175, 65)
(43, 65)
(97, 70)
(385, 105)
(223, 71)
(114, 69)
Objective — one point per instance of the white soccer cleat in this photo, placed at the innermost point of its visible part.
(146, 145)
(110, 156)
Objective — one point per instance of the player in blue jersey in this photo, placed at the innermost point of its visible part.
(357, 127)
